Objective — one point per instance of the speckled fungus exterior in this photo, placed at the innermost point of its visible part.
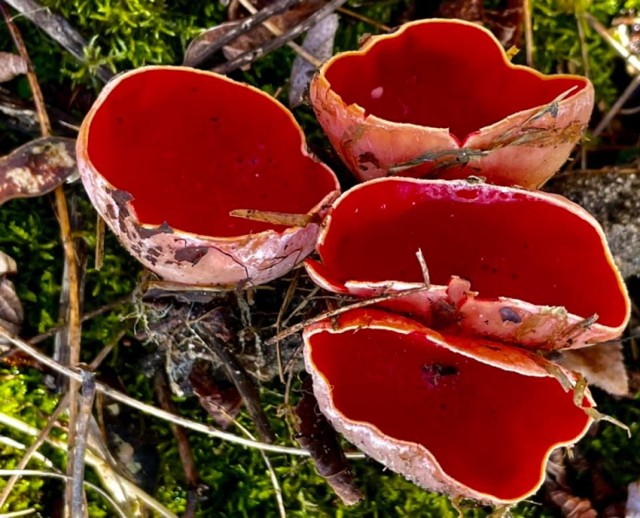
(539, 266)
(167, 153)
(466, 417)
(443, 92)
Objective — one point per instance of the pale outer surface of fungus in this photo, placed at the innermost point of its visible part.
(193, 259)
(503, 318)
(412, 460)
(370, 145)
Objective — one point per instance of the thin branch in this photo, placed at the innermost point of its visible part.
(275, 43)
(50, 474)
(59, 29)
(53, 418)
(87, 397)
(102, 468)
(73, 373)
(62, 405)
(85, 317)
(336, 312)
(243, 27)
(362, 18)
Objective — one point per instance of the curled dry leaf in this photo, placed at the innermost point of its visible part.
(602, 365)
(11, 66)
(316, 435)
(319, 43)
(36, 168)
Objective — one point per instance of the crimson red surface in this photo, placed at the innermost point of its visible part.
(442, 75)
(488, 428)
(191, 147)
(511, 244)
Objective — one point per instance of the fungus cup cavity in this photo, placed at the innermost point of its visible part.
(167, 153)
(466, 417)
(444, 92)
(539, 266)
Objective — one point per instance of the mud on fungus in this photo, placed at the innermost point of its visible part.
(541, 272)
(466, 417)
(166, 153)
(443, 93)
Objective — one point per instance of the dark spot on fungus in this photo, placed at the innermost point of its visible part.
(154, 251)
(150, 232)
(509, 315)
(152, 259)
(432, 373)
(368, 158)
(111, 211)
(191, 254)
(121, 198)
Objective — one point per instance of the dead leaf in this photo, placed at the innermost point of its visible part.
(633, 500)
(602, 365)
(319, 43)
(318, 437)
(222, 404)
(36, 168)
(11, 66)
(11, 312)
(251, 39)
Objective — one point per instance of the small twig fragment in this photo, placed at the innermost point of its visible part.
(274, 218)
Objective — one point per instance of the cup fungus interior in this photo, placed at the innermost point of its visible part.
(505, 242)
(441, 74)
(488, 428)
(191, 146)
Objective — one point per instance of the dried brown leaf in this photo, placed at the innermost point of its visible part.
(602, 365)
(251, 39)
(36, 168)
(222, 404)
(316, 435)
(11, 66)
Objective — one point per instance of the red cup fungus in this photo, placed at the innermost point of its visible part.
(444, 92)
(463, 416)
(166, 153)
(539, 266)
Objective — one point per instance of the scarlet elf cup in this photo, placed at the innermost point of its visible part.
(166, 154)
